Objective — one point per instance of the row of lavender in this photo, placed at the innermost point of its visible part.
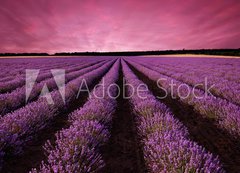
(13, 67)
(18, 127)
(221, 68)
(77, 148)
(19, 80)
(229, 90)
(12, 71)
(16, 76)
(167, 147)
(220, 73)
(17, 98)
(224, 113)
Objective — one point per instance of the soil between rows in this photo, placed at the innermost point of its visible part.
(33, 152)
(123, 152)
(202, 130)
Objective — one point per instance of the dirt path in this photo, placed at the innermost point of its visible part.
(202, 130)
(33, 152)
(123, 154)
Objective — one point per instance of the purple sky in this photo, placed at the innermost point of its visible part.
(123, 25)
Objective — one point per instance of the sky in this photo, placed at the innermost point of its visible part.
(118, 25)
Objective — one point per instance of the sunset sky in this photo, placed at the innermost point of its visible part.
(124, 25)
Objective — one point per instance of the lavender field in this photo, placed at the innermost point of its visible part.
(120, 114)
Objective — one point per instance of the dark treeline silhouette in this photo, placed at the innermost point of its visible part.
(226, 52)
(24, 54)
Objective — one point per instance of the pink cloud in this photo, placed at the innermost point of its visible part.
(108, 25)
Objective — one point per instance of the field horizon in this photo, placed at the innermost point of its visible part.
(200, 52)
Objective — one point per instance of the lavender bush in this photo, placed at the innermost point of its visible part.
(12, 101)
(18, 127)
(225, 114)
(76, 148)
(167, 147)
